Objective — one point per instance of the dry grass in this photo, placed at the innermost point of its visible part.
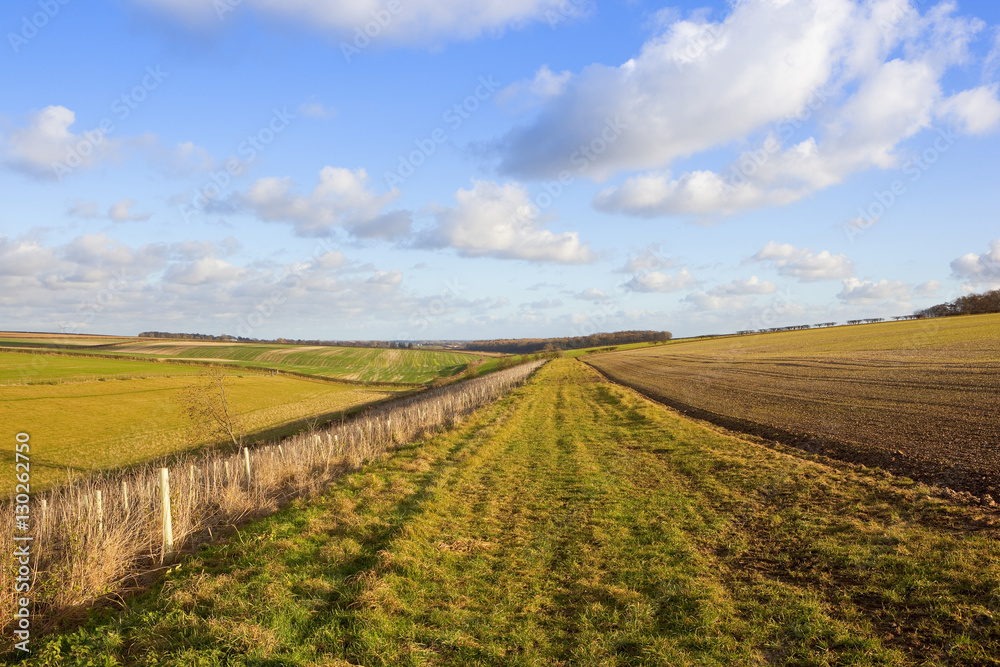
(83, 552)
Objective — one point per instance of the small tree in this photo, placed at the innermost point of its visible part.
(208, 406)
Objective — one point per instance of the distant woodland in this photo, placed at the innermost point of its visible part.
(529, 345)
(973, 304)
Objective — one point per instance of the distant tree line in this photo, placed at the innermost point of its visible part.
(972, 304)
(530, 345)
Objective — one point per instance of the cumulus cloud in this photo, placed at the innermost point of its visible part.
(545, 85)
(46, 147)
(731, 296)
(206, 271)
(24, 258)
(493, 220)
(657, 281)
(593, 294)
(95, 283)
(837, 62)
(121, 211)
(647, 260)
(979, 271)
(83, 209)
(341, 198)
(929, 288)
(857, 291)
(803, 263)
(413, 21)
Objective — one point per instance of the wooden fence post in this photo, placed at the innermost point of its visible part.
(168, 529)
(125, 497)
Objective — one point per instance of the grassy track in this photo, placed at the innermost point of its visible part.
(576, 523)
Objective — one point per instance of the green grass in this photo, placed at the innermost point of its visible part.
(357, 364)
(345, 363)
(78, 427)
(576, 523)
(26, 367)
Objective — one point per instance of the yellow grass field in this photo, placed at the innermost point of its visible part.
(78, 427)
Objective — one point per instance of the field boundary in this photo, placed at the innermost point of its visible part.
(969, 484)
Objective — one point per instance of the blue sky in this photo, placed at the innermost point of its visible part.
(510, 168)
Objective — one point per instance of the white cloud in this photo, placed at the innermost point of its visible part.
(731, 296)
(975, 111)
(992, 61)
(386, 278)
(857, 291)
(979, 271)
(121, 211)
(493, 220)
(83, 209)
(656, 281)
(804, 264)
(543, 304)
(47, 148)
(341, 198)
(545, 85)
(401, 21)
(317, 110)
(206, 271)
(707, 301)
(740, 287)
(647, 260)
(835, 60)
(929, 288)
(593, 294)
(24, 258)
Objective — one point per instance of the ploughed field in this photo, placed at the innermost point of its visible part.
(920, 397)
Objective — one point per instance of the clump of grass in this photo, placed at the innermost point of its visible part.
(85, 548)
